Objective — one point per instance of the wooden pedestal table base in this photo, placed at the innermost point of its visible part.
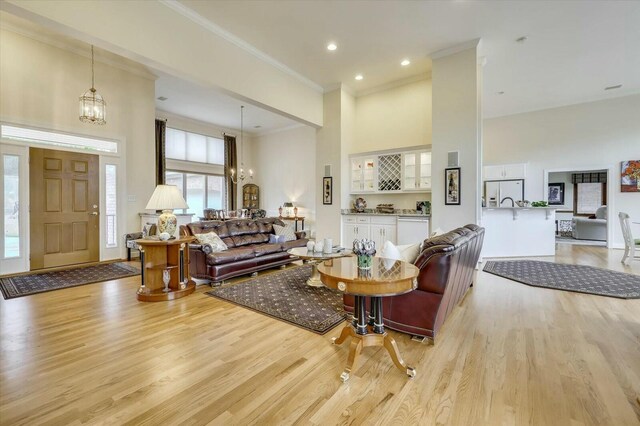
(385, 278)
(360, 341)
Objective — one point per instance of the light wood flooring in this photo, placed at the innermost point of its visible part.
(509, 354)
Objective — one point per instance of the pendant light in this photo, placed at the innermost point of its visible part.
(241, 176)
(92, 106)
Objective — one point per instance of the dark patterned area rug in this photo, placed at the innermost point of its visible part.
(578, 278)
(285, 295)
(24, 285)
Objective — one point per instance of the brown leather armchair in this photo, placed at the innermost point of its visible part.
(447, 264)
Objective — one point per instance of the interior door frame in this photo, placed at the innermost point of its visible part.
(610, 191)
(22, 264)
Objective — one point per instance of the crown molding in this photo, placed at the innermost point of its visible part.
(42, 38)
(280, 130)
(456, 49)
(237, 41)
(396, 83)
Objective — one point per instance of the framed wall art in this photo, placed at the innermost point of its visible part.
(452, 186)
(630, 176)
(555, 196)
(327, 190)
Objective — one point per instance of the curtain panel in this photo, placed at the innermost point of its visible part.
(161, 164)
(230, 162)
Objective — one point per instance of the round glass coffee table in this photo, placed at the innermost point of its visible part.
(386, 277)
(314, 258)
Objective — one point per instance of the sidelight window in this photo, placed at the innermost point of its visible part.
(11, 166)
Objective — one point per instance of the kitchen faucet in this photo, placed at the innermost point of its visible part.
(513, 204)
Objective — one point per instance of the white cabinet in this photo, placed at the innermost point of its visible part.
(416, 171)
(354, 227)
(504, 171)
(383, 228)
(391, 171)
(376, 228)
(363, 173)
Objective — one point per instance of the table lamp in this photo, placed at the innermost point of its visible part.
(167, 198)
(288, 208)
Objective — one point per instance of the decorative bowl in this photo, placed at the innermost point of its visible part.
(359, 204)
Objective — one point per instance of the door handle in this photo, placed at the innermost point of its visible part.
(94, 213)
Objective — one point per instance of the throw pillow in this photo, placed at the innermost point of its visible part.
(213, 240)
(273, 239)
(289, 234)
(409, 252)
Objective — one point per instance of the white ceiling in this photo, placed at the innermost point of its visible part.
(573, 51)
(574, 48)
(210, 106)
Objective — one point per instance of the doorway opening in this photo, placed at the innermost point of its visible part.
(582, 198)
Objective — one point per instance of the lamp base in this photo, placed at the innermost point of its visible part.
(167, 222)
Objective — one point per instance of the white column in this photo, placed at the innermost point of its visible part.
(457, 87)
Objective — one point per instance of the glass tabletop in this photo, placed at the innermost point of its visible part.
(303, 253)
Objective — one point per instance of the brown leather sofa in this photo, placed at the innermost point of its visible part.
(248, 250)
(447, 264)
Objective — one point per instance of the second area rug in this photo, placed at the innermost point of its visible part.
(559, 276)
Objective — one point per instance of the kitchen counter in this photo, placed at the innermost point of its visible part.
(397, 212)
(518, 231)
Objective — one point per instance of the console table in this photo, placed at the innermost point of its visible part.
(386, 277)
(160, 259)
(295, 221)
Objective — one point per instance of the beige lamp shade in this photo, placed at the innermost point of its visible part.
(166, 197)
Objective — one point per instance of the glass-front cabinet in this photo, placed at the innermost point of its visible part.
(363, 174)
(391, 171)
(416, 171)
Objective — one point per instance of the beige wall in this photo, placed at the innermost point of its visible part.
(586, 136)
(198, 55)
(40, 85)
(394, 118)
(287, 171)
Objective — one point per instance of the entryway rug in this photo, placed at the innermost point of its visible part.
(40, 282)
(578, 278)
(286, 296)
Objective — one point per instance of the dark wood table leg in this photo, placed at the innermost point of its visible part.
(376, 308)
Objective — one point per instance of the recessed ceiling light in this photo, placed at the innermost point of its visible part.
(162, 98)
(613, 87)
(521, 39)
(257, 127)
(332, 46)
(359, 77)
(500, 92)
(405, 62)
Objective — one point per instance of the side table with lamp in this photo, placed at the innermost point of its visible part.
(165, 259)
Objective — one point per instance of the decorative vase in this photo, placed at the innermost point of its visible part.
(311, 246)
(280, 211)
(319, 247)
(364, 261)
(166, 277)
(167, 222)
(295, 212)
(328, 245)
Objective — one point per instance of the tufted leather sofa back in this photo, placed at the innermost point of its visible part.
(236, 232)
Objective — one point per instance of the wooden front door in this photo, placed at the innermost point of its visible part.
(64, 209)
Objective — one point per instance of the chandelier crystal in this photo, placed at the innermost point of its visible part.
(92, 105)
(241, 176)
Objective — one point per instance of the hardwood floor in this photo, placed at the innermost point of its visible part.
(509, 354)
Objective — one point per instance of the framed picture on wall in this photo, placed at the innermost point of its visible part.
(452, 186)
(555, 196)
(327, 190)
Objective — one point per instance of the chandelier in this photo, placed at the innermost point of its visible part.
(241, 176)
(92, 106)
